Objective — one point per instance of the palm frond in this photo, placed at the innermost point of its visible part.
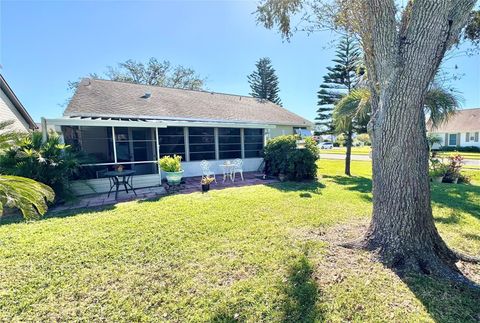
(29, 196)
(8, 137)
(354, 106)
(441, 104)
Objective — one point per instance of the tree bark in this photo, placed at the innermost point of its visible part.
(401, 63)
(348, 155)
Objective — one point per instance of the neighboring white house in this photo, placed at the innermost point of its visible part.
(11, 109)
(462, 129)
(133, 125)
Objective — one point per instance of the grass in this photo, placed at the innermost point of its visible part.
(366, 150)
(258, 253)
(342, 150)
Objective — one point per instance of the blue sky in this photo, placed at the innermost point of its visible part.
(45, 44)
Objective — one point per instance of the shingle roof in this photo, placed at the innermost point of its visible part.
(461, 121)
(102, 98)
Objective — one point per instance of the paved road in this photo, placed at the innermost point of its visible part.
(469, 162)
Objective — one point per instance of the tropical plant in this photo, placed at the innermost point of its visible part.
(433, 139)
(454, 168)
(25, 194)
(171, 164)
(264, 82)
(50, 162)
(283, 157)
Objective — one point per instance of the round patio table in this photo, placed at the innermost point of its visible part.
(118, 179)
(227, 170)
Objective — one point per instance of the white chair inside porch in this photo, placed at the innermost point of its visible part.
(206, 172)
(237, 168)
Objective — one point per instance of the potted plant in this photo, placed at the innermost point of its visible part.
(172, 167)
(454, 168)
(119, 168)
(437, 174)
(206, 181)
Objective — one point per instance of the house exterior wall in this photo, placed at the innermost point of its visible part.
(191, 168)
(474, 139)
(9, 112)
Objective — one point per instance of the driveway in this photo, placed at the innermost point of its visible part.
(468, 162)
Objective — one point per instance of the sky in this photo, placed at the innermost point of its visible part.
(44, 44)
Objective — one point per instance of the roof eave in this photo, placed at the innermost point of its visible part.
(16, 103)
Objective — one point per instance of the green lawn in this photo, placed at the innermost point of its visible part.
(342, 150)
(366, 150)
(258, 253)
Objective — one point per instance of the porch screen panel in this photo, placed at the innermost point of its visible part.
(135, 144)
(96, 143)
(253, 139)
(171, 141)
(201, 143)
(229, 143)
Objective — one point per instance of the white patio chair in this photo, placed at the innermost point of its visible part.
(205, 166)
(238, 168)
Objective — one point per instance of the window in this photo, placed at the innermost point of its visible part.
(95, 142)
(253, 139)
(135, 144)
(476, 137)
(201, 143)
(467, 137)
(452, 139)
(229, 143)
(171, 141)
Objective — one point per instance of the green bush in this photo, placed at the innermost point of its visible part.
(170, 164)
(50, 162)
(467, 149)
(282, 157)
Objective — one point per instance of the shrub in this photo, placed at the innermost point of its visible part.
(364, 139)
(282, 157)
(50, 162)
(340, 141)
(453, 168)
(467, 149)
(170, 163)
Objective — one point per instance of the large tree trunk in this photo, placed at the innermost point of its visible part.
(402, 228)
(401, 63)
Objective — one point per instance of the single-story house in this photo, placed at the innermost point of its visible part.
(462, 129)
(133, 125)
(11, 109)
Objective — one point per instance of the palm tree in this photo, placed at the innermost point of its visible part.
(29, 196)
(440, 105)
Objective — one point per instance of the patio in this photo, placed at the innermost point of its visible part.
(188, 185)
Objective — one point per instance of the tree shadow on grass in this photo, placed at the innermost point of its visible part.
(445, 301)
(460, 197)
(302, 293)
(18, 218)
(305, 188)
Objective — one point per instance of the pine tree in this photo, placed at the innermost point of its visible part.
(264, 82)
(339, 81)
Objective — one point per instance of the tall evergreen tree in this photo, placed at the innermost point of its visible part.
(264, 82)
(339, 81)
